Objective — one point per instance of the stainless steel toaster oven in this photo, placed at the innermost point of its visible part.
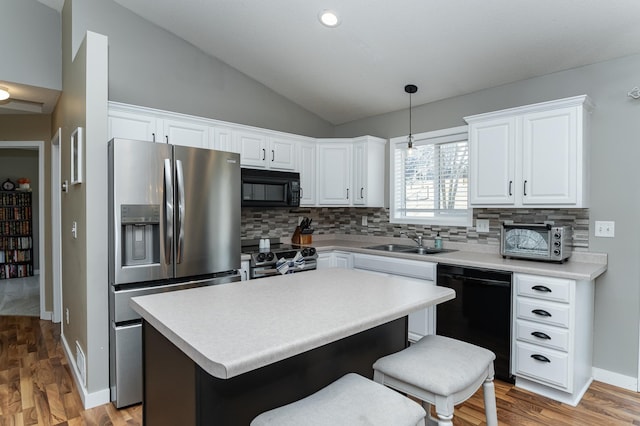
(536, 241)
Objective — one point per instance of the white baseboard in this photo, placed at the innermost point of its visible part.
(46, 315)
(89, 400)
(615, 379)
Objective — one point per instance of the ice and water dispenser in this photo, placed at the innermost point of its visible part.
(140, 234)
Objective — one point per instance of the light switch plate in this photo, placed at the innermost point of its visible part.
(482, 225)
(605, 228)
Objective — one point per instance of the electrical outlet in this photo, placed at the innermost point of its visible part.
(364, 220)
(605, 228)
(482, 225)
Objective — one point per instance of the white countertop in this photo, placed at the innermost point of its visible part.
(231, 329)
(581, 266)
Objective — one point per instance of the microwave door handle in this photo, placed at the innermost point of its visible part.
(168, 211)
(180, 211)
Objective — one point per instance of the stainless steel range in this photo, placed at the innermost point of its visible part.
(279, 258)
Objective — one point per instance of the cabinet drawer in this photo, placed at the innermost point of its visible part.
(542, 335)
(554, 289)
(542, 364)
(544, 312)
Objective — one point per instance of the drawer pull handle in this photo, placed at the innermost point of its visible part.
(541, 335)
(541, 288)
(541, 358)
(541, 312)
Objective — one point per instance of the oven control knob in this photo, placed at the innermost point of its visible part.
(557, 243)
(306, 252)
(557, 235)
(556, 252)
(270, 256)
(261, 257)
(312, 251)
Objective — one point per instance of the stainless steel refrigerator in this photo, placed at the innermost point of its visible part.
(174, 224)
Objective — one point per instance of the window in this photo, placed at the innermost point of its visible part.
(430, 184)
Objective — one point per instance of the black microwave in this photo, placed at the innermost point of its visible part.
(268, 188)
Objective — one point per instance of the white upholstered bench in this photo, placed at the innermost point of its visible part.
(441, 371)
(351, 400)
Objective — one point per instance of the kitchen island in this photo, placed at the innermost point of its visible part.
(220, 355)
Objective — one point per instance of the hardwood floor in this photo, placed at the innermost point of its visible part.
(36, 388)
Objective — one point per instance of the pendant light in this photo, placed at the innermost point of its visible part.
(410, 89)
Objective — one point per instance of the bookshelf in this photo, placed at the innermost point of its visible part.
(16, 234)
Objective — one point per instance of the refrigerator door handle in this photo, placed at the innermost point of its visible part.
(168, 211)
(180, 212)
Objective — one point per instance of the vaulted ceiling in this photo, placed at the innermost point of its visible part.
(359, 68)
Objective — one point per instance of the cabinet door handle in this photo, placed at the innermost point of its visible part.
(510, 187)
(541, 288)
(153, 137)
(273, 155)
(264, 154)
(347, 193)
(524, 189)
(362, 193)
(541, 312)
(539, 357)
(540, 335)
(167, 138)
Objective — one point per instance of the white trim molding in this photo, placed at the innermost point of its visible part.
(89, 400)
(615, 379)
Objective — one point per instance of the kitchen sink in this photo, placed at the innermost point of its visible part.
(398, 248)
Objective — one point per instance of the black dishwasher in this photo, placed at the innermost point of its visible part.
(480, 313)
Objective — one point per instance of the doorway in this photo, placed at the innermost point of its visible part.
(30, 285)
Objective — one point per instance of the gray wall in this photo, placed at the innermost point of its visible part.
(614, 172)
(35, 36)
(151, 67)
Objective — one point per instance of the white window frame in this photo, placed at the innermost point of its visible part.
(451, 134)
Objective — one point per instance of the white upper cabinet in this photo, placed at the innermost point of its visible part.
(128, 124)
(184, 132)
(266, 152)
(307, 169)
(368, 171)
(334, 172)
(550, 157)
(253, 148)
(282, 153)
(221, 138)
(132, 122)
(351, 171)
(492, 143)
(535, 156)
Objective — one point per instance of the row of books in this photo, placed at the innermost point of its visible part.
(15, 198)
(15, 271)
(15, 213)
(13, 256)
(15, 243)
(15, 228)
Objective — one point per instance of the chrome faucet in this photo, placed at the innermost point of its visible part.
(416, 237)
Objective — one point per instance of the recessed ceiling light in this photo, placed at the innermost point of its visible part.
(329, 18)
(4, 93)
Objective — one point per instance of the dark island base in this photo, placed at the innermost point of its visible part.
(178, 391)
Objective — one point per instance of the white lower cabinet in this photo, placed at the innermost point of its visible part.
(335, 259)
(553, 336)
(421, 322)
(244, 270)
